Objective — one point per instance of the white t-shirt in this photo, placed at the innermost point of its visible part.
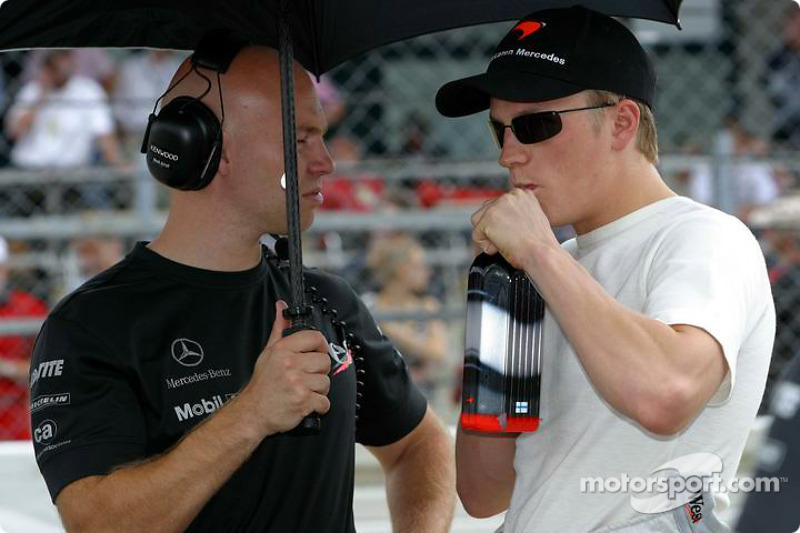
(679, 262)
(65, 127)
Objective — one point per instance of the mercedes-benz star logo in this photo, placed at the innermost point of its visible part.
(187, 352)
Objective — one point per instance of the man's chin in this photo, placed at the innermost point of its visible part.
(307, 220)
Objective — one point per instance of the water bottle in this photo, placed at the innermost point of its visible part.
(503, 349)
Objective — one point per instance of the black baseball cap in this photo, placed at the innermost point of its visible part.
(552, 54)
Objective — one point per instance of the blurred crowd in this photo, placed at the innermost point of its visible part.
(69, 110)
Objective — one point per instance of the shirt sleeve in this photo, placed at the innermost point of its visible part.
(391, 405)
(709, 274)
(85, 415)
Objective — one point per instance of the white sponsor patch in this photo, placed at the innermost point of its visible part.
(187, 352)
(48, 369)
(45, 432)
(48, 400)
(201, 408)
(174, 383)
(530, 54)
(52, 447)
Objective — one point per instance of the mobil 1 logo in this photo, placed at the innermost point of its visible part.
(202, 408)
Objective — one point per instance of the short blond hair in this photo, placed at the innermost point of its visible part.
(646, 136)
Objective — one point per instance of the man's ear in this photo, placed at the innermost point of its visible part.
(626, 124)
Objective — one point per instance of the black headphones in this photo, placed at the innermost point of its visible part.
(183, 142)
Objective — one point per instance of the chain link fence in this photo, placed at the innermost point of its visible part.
(728, 114)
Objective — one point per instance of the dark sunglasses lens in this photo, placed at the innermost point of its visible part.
(536, 127)
(498, 131)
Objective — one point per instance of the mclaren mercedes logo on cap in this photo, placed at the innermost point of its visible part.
(187, 352)
(528, 27)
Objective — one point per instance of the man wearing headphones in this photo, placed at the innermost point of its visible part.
(164, 391)
(659, 322)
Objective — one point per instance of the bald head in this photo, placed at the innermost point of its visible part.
(252, 82)
(246, 189)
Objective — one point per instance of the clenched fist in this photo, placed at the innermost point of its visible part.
(514, 225)
(290, 379)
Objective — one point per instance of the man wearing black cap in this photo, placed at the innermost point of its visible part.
(660, 321)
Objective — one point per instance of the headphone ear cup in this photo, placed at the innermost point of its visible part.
(181, 144)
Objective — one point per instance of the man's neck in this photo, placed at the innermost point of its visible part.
(634, 188)
(210, 243)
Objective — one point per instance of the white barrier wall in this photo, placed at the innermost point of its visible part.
(25, 505)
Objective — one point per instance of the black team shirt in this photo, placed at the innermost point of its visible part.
(139, 355)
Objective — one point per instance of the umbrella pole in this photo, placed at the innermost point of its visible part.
(299, 312)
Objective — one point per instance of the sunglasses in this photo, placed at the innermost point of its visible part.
(535, 127)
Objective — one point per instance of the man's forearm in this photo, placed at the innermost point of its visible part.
(485, 473)
(141, 497)
(633, 361)
(420, 488)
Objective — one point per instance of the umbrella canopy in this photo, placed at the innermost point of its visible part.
(324, 32)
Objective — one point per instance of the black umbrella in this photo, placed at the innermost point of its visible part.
(324, 33)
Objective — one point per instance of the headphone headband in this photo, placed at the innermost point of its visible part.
(216, 50)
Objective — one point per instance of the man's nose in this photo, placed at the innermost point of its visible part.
(513, 152)
(323, 164)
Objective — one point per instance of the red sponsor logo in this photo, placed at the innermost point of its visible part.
(695, 509)
(527, 28)
(343, 363)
